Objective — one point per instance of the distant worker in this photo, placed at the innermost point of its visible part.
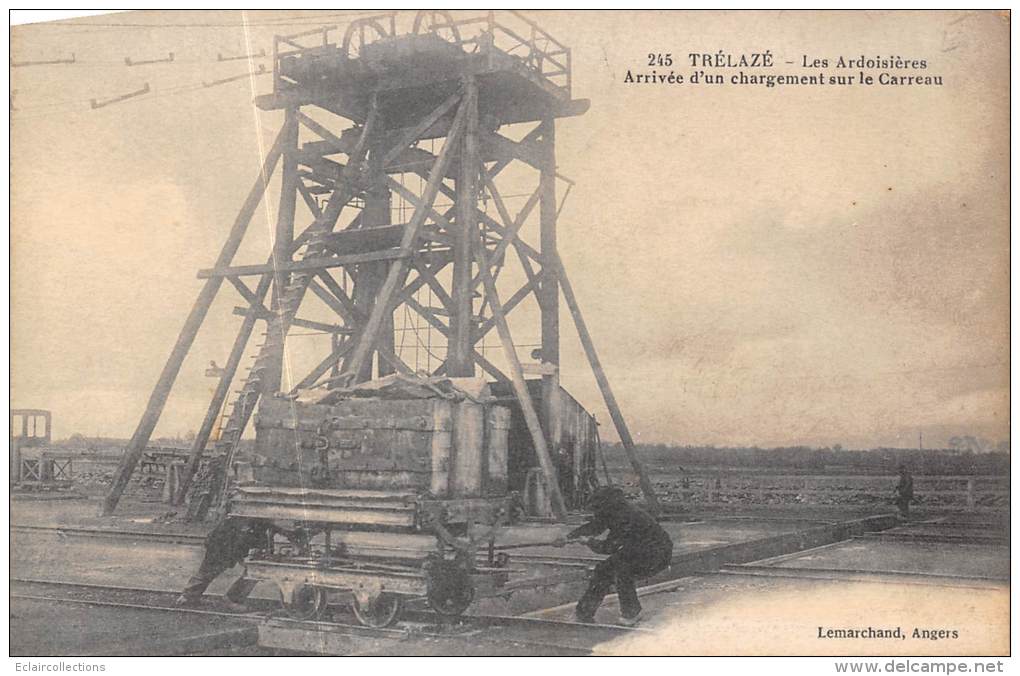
(638, 547)
(904, 491)
(226, 546)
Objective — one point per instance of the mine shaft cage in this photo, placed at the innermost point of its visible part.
(391, 144)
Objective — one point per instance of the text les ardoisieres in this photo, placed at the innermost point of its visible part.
(722, 59)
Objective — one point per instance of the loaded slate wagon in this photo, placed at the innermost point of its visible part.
(405, 481)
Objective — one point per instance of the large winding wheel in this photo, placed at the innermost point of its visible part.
(438, 23)
(361, 32)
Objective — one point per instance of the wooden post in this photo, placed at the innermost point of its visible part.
(521, 387)
(603, 382)
(548, 295)
(171, 483)
(284, 236)
(157, 400)
(399, 268)
(459, 360)
(369, 277)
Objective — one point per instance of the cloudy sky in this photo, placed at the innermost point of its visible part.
(758, 265)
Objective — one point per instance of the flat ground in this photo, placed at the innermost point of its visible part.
(947, 573)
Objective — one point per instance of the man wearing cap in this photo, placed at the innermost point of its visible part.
(638, 547)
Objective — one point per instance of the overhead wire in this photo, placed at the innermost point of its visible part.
(253, 53)
(310, 20)
(154, 93)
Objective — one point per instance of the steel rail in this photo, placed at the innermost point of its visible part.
(414, 616)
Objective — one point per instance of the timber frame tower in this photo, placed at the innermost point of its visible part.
(426, 102)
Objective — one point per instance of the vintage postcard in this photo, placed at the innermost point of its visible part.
(511, 333)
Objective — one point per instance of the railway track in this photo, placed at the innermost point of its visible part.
(547, 634)
(114, 534)
(198, 540)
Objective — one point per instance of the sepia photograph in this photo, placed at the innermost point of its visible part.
(500, 333)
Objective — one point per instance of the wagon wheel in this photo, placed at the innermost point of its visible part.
(449, 600)
(359, 33)
(438, 23)
(450, 591)
(307, 603)
(380, 612)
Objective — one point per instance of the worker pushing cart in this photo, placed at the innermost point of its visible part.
(638, 548)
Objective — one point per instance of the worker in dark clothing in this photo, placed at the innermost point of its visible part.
(226, 546)
(904, 491)
(638, 547)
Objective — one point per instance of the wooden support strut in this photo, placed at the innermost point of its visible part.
(221, 393)
(547, 293)
(521, 387)
(333, 296)
(399, 269)
(458, 359)
(603, 382)
(157, 400)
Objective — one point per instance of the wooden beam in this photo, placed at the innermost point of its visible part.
(321, 131)
(369, 277)
(548, 292)
(334, 303)
(489, 367)
(310, 202)
(408, 136)
(495, 169)
(603, 383)
(429, 316)
(157, 399)
(413, 286)
(476, 356)
(510, 304)
(323, 366)
(212, 413)
(495, 144)
(509, 234)
(395, 362)
(330, 97)
(416, 200)
(458, 354)
(283, 238)
(437, 288)
(262, 313)
(398, 270)
(317, 263)
(490, 222)
(521, 388)
(531, 251)
(345, 306)
(247, 293)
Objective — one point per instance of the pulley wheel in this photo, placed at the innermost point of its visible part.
(308, 603)
(380, 613)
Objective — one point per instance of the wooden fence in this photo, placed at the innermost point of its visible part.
(970, 493)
